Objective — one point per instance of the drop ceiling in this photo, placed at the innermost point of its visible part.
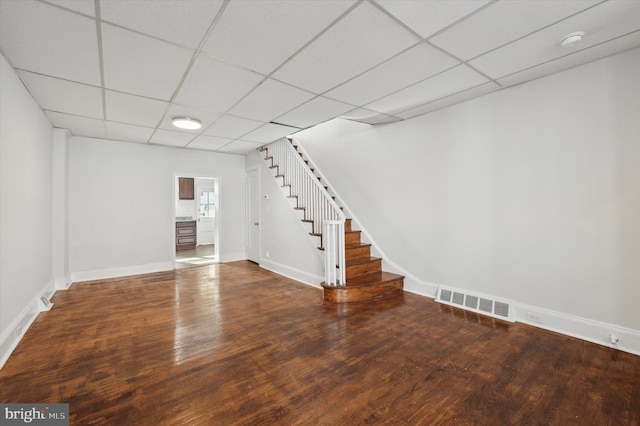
(256, 70)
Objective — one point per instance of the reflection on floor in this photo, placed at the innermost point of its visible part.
(201, 255)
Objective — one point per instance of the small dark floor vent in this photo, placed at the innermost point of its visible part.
(482, 304)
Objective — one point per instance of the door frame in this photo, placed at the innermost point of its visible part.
(213, 186)
(250, 204)
(218, 223)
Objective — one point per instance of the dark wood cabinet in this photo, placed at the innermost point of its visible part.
(185, 189)
(186, 235)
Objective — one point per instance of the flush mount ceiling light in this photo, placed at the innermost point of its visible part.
(186, 123)
(572, 39)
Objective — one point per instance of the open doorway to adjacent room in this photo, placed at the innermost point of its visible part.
(197, 222)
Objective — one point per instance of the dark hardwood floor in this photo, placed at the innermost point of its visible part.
(235, 344)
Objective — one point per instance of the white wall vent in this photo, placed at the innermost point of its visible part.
(45, 302)
(480, 303)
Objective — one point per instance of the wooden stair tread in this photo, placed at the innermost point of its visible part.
(374, 278)
(356, 245)
(361, 260)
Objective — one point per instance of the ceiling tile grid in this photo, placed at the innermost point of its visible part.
(183, 22)
(428, 17)
(409, 67)
(132, 109)
(315, 111)
(543, 46)
(508, 21)
(269, 100)
(82, 126)
(444, 84)
(64, 96)
(208, 143)
(229, 126)
(240, 147)
(261, 35)
(127, 132)
(212, 85)
(172, 138)
(48, 40)
(255, 71)
(141, 65)
(364, 38)
(83, 7)
(269, 132)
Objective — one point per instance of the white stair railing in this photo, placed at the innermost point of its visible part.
(319, 207)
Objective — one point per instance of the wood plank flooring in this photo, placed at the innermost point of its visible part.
(233, 344)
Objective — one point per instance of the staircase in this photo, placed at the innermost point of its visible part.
(365, 279)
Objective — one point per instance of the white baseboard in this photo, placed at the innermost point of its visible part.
(232, 257)
(569, 325)
(293, 273)
(101, 274)
(18, 327)
(581, 328)
(414, 285)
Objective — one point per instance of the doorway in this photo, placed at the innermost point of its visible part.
(198, 211)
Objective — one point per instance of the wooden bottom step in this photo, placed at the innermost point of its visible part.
(366, 287)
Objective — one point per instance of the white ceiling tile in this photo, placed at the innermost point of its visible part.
(259, 35)
(229, 126)
(215, 86)
(508, 20)
(64, 96)
(79, 126)
(141, 65)
(269, 100)
(426, 17)
(369, 117)
(409, 67)
(240, 147)
(127, 132)
(606, 21)
(269, 133)
(577, 58)
(465, 95)
(444, 84)
(184, 22)
(135, 110)
(359, 41)
(313, 112)
(171, 138)
(84, 7)
(45, 39)
(209, 143)
(206, 118)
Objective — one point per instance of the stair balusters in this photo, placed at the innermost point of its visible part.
(313, 199)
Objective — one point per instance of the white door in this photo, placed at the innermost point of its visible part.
(253, 215)
(207, 205)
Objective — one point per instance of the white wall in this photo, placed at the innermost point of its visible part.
(25, 206)
(60, 198)
(531, 193)
(286, 247)
(121, 205)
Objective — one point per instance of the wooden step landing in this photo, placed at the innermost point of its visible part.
(366, 287)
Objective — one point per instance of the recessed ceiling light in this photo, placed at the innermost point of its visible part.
(572, 39)
(186, 123)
